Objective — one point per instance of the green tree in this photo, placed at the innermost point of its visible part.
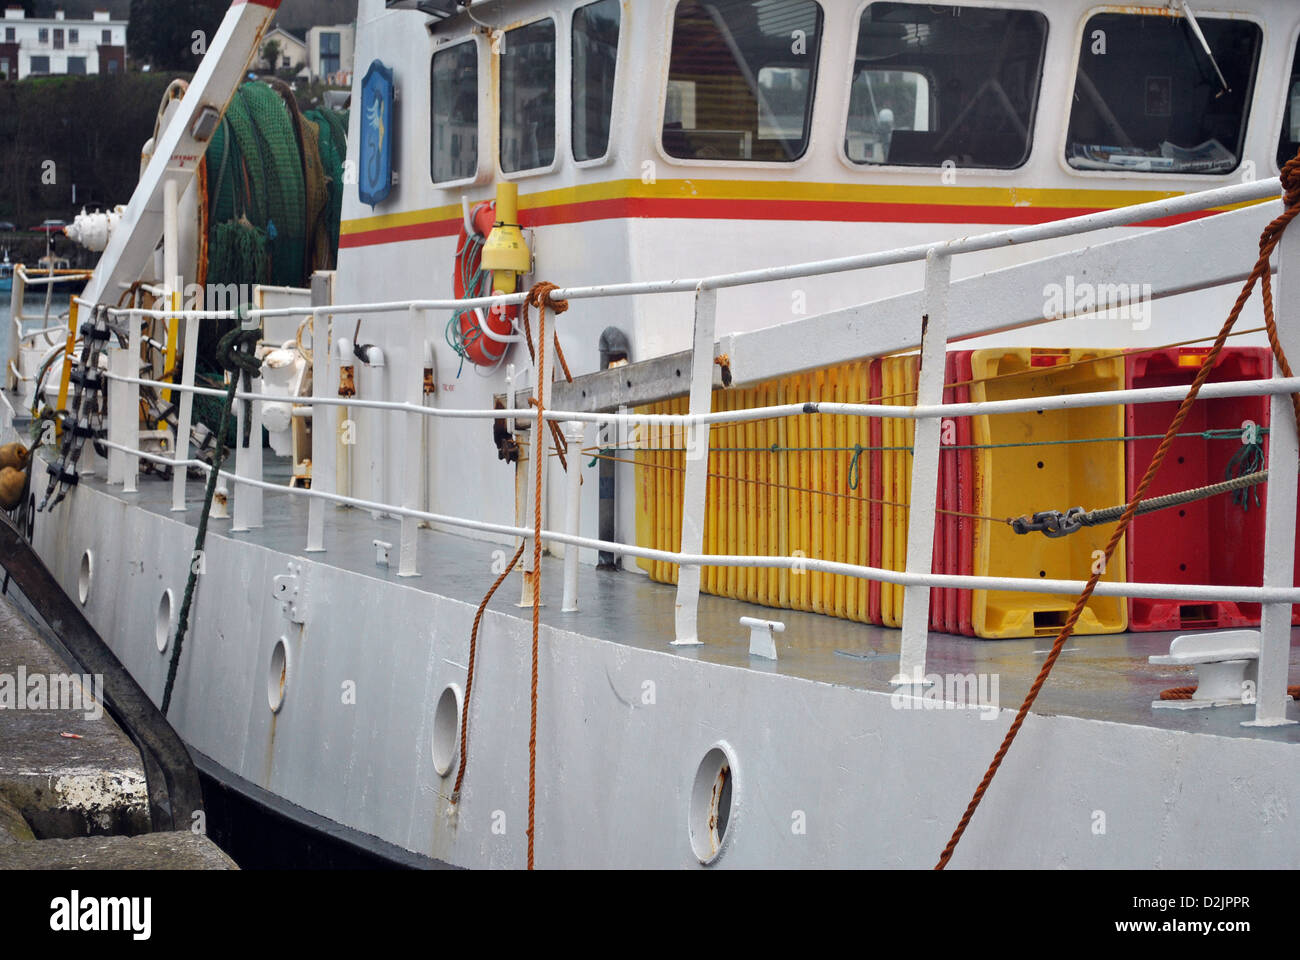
(58, 121)
(271, 54)
(173, 34)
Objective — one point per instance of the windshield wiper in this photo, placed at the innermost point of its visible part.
(1196, 29)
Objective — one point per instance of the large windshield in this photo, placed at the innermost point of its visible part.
(1149, 96)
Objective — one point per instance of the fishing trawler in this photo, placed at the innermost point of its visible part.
(720, 418)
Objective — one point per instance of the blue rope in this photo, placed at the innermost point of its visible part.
(474, 283)
(855, 469)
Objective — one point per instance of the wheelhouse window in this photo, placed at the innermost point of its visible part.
(595, 52)
(741, 79)
(936, 85)
(1289, 142)
(1149, 96)
(527, 96)
(454, 106)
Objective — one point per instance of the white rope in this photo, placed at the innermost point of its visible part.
(1069, 401)
(1172, 591)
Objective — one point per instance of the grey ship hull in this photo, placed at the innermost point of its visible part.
(829, 769)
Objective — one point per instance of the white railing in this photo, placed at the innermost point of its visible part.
(1276, 594)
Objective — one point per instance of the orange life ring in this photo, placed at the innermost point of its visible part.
(475, 346)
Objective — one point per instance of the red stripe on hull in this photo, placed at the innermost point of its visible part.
(780, 210)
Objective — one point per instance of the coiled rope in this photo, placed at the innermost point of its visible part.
(1268, 242)
(474, 281)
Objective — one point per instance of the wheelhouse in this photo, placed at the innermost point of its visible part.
(693, 137)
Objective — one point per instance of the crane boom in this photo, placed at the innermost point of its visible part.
(180, 147)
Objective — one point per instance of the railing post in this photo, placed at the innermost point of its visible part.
(539, 446)
(248, 456)
(171, 267)
(573, 435)
(119, 364)
(129, 428)
(186, 411)
(925, 470)
(324, 417)
(1280, 510)
(413, 455)
(695, 487)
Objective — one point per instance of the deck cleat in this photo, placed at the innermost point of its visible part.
(1227, 669)
(761, 642)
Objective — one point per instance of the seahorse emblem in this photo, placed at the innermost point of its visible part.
(375, 117)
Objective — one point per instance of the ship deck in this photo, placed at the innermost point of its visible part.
(1105, 678)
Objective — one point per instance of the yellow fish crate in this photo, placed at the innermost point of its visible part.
(1042, 474)
(794, 486)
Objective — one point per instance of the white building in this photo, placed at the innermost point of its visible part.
(329, 52)
(30, 46)
(293, 50)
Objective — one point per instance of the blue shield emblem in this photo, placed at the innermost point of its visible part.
(375, 178)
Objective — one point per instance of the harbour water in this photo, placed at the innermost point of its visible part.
(33, 302)
(33, 308)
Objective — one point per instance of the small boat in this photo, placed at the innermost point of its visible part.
(6, 274)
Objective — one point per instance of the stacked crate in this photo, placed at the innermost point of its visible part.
(1219, 540)
(837, 487)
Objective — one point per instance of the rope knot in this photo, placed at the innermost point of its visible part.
(540, 297)
(1290, 178)
(235, 351)
(723, 360)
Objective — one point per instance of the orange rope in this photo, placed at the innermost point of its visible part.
(469, 674)
(1260, 273)
(1185, 693)
(559, 306)
(540, 297)
(201, 277)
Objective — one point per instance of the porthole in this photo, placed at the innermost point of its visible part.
(713, 807)
(277, 676)
(446, 729)
(163, 622)
(85, 574)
